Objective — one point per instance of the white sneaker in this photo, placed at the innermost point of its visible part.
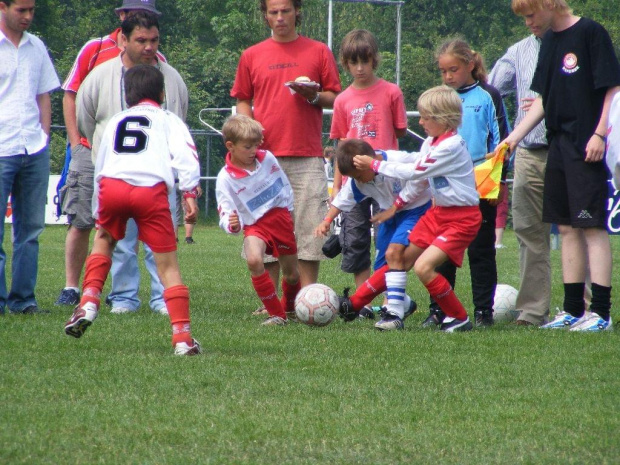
(182, 348)
(121, 310)
(274, 321)
(562, 320)
(592, 322)
(161, 311)
(81, 319)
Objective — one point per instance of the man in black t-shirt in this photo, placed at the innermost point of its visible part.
(577, 76)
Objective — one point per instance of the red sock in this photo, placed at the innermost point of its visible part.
(177, 303)
(97, 269)
(440, 290)
(289, 292)
(371, 288)
(264, 287)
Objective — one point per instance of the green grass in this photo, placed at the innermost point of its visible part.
(343, 394)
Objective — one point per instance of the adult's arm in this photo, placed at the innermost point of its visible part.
(44, 102)
(244, 107)
(70, 114)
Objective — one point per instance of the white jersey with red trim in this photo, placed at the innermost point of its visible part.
(385, 189)
(447, 165)
(145, 145)
(251, 194)
(613, 141)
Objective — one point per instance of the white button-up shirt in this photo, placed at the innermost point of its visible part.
(25, 72)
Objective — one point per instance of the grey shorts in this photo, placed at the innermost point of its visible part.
(355, 237)
(76, 196)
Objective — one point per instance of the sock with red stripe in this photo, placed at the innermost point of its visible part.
(371, 288)
(177, 303)
(440, 290)
(266, 291)
(97, 269)
(289, 292)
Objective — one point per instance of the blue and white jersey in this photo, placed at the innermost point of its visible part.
(385, 189)
(251, 194)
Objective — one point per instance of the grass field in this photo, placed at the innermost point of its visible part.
(343, 394)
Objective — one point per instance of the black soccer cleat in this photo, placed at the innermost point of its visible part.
(435, 318)
(483, 318)
(345, 307)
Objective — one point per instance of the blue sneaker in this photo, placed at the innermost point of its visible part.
(592, 322)
(562, 320)
(389, 322)
(68, 297)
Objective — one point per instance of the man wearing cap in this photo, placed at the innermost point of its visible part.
(27, 77)
(100, 97)
(77, 194)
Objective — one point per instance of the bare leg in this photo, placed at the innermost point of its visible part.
(76, 251)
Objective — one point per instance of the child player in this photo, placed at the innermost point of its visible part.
(141, 150)
(254, 195)
(373, 110)
(408, 200)
(445, 231)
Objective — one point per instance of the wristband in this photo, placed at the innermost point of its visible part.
(315, 100)
(399, 203)
(375, 165)
(328, 219)
(602, 137)
(190, 194)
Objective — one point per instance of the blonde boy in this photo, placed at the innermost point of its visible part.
(255, 196)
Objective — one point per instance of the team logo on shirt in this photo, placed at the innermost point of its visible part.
(569, 63)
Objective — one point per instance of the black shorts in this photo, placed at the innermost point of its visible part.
(575, 192)
(355, 237)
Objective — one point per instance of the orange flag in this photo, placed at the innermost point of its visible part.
(489, 173)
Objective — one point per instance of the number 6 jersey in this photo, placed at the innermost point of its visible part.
(145, 145)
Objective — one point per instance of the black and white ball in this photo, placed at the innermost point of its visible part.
(505, 305)
(316, 305)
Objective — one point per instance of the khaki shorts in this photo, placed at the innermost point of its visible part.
(309, 183)
(76, 196)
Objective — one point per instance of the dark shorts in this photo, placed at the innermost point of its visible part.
(76, 196)
(355, 237)
(575, 192)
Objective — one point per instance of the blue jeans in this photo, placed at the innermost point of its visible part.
(25, 178)
(126, 274)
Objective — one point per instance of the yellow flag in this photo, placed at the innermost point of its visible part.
(489, 173)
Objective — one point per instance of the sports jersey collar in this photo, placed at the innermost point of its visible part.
(444, 136)
(464, 89)
(149, 102)
(239, 173)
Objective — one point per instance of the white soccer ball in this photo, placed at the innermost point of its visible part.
(505, 305)
(316, 305)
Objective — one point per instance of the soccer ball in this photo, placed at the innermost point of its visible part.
(504, 307)
(316, 305)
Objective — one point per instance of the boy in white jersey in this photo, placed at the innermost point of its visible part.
(140, 151)
(408, 199)
(254, 195)
(445, 231)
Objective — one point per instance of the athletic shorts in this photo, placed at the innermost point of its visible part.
(276, 230)
(77, 193)
(355, 237)
(450, 229)
(575, 192)
(309, 183)
(148, 206)
(396, 231)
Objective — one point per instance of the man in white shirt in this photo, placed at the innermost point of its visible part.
(27, 77)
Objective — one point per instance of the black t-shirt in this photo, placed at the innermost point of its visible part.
(575, 68)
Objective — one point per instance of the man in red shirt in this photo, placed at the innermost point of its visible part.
(291, 114)
(77, 194)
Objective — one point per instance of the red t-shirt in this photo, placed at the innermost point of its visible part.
(292, 125)
(372, 114)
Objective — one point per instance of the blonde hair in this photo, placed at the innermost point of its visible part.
(359, 44)
(461, 50)
(523, 7)
(238, 128)
(442, 104)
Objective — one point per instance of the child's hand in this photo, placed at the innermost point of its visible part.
(191, 210)
(322, 229)
(363, 162)
(383, 216)
(233, 222)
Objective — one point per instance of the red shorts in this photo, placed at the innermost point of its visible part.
(451, 229)
(148, 206)
(277, 230)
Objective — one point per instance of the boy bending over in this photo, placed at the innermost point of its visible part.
(254, 195)
(141, 150)
(445, 231)
(409, 200)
